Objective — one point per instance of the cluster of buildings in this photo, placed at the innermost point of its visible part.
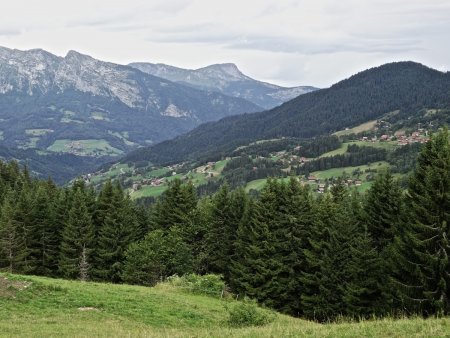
(323, 187)
(418, 136)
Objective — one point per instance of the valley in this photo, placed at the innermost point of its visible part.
(353, 157)
(194, 168)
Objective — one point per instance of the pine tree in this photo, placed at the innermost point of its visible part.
(24, 218)
(383, 209)
(422, 248)
(249, 271)
(44, 247)
(175, 205)
(332, 277)
(12, 243)
(77, 238)
(363, 293)
(292, 238)
(226, 214)
(116, 233)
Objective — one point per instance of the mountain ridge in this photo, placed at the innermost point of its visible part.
(225, 78)
(32, 81)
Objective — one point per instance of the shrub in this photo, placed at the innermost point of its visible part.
(247, 313)
(211, 285)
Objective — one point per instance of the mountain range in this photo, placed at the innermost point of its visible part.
(77, 97)
(89, 108)
(226, 79)
(401, 87)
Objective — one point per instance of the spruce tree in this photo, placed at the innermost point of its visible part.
(336, 280)
(383, 209)
(116, 233)
(12, 242)
(422, 247)
(77, 239)
(249, 271)
(175, 206)
(44, 247)
(226, 213)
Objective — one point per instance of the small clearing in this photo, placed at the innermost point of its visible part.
(358, 129)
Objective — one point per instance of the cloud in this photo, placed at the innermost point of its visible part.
(219, 35)
(5, 31)
(311, 46)
(194, 33)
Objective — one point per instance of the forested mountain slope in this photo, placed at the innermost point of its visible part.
(405, 87)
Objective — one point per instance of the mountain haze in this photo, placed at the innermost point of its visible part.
(405, 87)
(227, 79)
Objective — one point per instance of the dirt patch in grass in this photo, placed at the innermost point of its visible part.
(88, 308)
(9, 288)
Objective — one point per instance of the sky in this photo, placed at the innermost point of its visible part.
(286, 42)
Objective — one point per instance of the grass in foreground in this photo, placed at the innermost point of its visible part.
(44, 307)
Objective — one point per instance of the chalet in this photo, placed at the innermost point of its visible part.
(384, 137)
(358, 183)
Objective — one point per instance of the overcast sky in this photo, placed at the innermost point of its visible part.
(287, 42)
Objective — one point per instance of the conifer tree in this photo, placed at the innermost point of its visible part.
(253, 247)
(77, 238)
(298, 214)
(24, 217)
(12, 243)
(175, 205)
(227, 211)
(44, 246)
(383, 209)
(332, 277)
(116, 233)
(422, 248)
(363, 293)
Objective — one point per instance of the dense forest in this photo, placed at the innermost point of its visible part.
(319, 257)
(404, 87)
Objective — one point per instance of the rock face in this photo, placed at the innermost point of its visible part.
(227, 79)
(45, 98)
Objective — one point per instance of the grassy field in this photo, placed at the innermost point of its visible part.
(389, 145)
(337, 172)
(85, 147)
(358, 129)
(148, 191)
(43, 307)
(339, 151)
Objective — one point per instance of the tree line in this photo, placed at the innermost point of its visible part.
(338, 254)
